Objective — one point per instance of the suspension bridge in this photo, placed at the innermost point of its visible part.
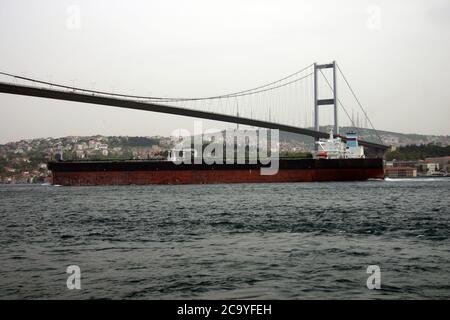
(299, 103)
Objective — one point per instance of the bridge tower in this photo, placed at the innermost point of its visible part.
(322, 102)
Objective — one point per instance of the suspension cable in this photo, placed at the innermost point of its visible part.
(168, 99)
(359, 103)
(339, 101)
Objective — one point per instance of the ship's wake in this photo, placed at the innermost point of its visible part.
(414, 179)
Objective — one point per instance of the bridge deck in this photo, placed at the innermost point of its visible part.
(137, 105)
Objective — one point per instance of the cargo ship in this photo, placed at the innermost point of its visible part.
(332, 161)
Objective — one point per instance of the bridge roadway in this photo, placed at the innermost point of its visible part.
(154, 107)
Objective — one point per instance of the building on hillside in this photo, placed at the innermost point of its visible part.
(429, 168)
(80, 154)
(400, 172)
(442, 161)
(405, 163)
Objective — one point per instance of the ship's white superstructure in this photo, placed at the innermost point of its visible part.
(335, 148)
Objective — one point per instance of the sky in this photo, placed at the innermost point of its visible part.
(395, 54)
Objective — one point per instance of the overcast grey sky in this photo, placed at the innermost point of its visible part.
(395, 52)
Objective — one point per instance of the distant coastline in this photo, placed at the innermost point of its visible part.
(25, 161)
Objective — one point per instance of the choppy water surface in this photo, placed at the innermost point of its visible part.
(282, 241)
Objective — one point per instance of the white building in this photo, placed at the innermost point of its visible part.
(429, 167)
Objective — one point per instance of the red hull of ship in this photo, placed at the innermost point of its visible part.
(213, 176)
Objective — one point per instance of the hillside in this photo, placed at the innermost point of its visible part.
(388, 137)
